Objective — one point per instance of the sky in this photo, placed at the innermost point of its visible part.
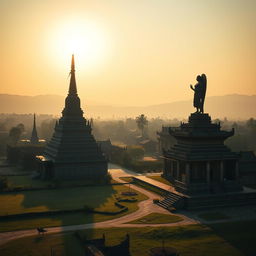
(128, 52)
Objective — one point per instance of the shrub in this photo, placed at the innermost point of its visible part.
(135, 151)
(119, 205)
(3, 183)
(88, 208)
(126, 159)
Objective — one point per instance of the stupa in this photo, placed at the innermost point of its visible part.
(72, 152)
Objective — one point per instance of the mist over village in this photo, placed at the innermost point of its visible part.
(128, 128)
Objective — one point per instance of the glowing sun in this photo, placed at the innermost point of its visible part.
(84, 39)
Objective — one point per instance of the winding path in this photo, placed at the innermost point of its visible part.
(145, 207)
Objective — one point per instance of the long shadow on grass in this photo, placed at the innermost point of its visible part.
(240, 235)
(90, 197)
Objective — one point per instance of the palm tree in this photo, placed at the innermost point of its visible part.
(141, 123)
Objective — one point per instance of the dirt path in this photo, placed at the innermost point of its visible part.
(145, 207)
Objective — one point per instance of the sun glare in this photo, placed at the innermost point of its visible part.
(84, 39)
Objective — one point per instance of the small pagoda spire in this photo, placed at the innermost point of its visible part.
(34, 138)
(72, 85)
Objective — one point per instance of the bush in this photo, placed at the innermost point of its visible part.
(119, 205)
(140, 166)
(126, 159)
(3, 183)
(136, 152)
(88, 208)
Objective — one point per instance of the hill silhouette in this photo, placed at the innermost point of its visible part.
(231, 106)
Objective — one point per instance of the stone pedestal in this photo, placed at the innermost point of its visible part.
(202, 159)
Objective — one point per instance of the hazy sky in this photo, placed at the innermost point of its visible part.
(132, 52)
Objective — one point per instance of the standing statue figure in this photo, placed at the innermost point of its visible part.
(199, 93)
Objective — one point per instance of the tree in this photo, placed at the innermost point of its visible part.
(136, 152)
(21, 127)
(15, 133)
(126, 159)
(251, 123)
(141, 123)
(3, 183)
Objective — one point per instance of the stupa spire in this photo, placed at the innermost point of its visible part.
(34, 138)
(72, 85)
(72, 101)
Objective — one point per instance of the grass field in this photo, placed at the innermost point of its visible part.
(211, 216)
(101, 198)
(160, 179)
(98, 197)
(26, 181)
(226, 239)
(144, 185)
(148, 187)
(157, 218)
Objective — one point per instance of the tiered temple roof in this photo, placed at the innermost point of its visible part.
(72, 148)
(200, 139)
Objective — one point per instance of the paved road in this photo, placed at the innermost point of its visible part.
(145, 207)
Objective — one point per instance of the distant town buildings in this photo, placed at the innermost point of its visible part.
(25, 151)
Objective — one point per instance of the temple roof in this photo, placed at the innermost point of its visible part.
(200, 140)
(200, 127)
(72, 141)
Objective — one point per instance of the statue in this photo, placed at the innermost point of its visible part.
(199, 93)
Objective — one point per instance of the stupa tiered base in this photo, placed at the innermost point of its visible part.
(72, 152)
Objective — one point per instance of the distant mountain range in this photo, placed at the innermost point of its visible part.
(231, 106)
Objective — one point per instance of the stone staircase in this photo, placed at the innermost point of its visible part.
(172, 201)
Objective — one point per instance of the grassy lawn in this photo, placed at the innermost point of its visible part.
(160, 179)
(226, 239)
(144, 185)
(98, 197)
(149, 187)
(157, 218)
(126, 179)
(61, 220)
(211, 216)
(27, 182)
(101, 198)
